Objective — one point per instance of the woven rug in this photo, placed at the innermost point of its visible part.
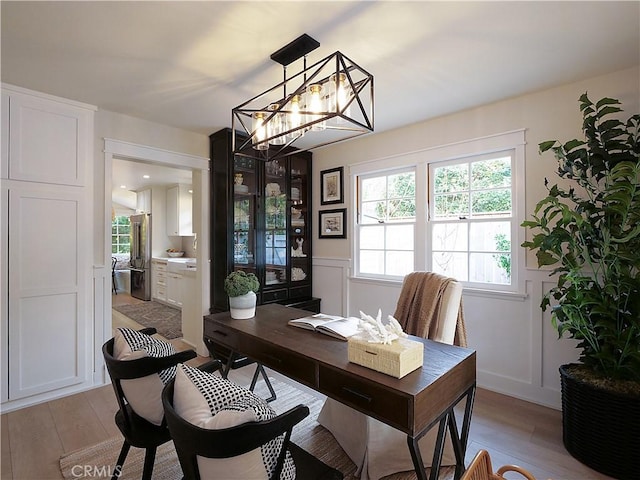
(98, 461)
(166, 320)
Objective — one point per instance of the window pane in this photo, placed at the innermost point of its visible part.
(399, 263)
(490, 237)
(372, 237)
(491, 202)
(386, 229)
(372, 261)
(400, 237)
(490, 268)
(452, 205)
(452, 178)
(450, 236)
(372, 212)
(491, 173)
(451, 265)
(402, 209)
(373, 188)
(402, 185)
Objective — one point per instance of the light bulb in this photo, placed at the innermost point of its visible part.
(276, 126)
(316, 105)
(260, 132)
(341, 95)
(296, 117)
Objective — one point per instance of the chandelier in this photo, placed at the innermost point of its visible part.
(327, 102)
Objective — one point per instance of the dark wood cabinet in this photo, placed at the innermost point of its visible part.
(261, 223)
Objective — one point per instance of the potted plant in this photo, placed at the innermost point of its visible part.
(241, 287)
(588, 230)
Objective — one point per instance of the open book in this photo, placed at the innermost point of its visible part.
(338, 327)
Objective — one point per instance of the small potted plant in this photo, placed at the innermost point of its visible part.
(241, 287)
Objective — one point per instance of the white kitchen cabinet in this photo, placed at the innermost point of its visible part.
(159, 279)
(143, 201)
(46, 295)
(179, 211)
(174, 289)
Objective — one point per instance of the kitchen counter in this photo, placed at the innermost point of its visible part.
(178, 264)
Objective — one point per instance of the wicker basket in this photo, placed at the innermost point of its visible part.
(600, 428)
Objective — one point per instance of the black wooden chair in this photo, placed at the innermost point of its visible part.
(192, 441)
(137, 431)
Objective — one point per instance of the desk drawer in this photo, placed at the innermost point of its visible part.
(221, 335)
(288, 363)
(368, 397)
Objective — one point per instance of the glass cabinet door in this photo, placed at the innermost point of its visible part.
(275, 212)
(300, 221)
(244, 214)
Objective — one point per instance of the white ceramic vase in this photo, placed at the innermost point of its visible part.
(243, 306)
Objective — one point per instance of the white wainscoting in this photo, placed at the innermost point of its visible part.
(330, 284)
(518, 351)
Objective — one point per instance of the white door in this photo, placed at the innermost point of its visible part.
(47, 289)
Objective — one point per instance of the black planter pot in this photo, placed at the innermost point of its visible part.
(600, 428)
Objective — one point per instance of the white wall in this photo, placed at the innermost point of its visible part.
(518, 351)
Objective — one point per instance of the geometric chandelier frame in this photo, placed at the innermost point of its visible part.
(327, 102)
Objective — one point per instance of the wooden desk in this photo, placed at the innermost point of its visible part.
(412, 404)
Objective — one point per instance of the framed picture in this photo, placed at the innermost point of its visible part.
(331, 186)
(333, 223)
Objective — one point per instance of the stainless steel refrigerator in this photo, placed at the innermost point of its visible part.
(140, 260)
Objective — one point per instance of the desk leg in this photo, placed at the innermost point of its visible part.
(254, 380)
(416, 456)
(227, 367)
(460, 440)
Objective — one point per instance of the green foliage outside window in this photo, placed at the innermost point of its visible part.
(397, 196)
(503, 244)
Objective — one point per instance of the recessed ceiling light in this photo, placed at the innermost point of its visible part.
(146, 176)
(123, 186)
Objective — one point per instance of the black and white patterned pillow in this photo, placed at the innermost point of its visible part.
(144, 394)
(209, 401)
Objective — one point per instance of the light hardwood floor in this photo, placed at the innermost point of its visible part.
(513, 431)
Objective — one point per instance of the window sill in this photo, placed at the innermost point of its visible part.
(474, 292)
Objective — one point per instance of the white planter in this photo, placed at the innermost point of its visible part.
(243, 307)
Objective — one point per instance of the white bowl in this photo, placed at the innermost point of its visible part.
(175, 254)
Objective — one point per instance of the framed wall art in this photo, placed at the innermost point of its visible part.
(333, 223)
(331, 186)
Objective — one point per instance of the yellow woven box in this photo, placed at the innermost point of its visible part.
(397, 359)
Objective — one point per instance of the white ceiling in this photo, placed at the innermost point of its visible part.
(187, 64)
(129, 177)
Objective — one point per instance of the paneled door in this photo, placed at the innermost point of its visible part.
(47, 289)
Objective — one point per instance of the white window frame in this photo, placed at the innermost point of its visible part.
(118, 234)
(385, 173)
(469, 220)
(421, 159)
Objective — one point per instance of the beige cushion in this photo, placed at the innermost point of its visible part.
(209, 401)
(143, 394)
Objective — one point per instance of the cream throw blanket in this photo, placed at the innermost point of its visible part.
(420, 303)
